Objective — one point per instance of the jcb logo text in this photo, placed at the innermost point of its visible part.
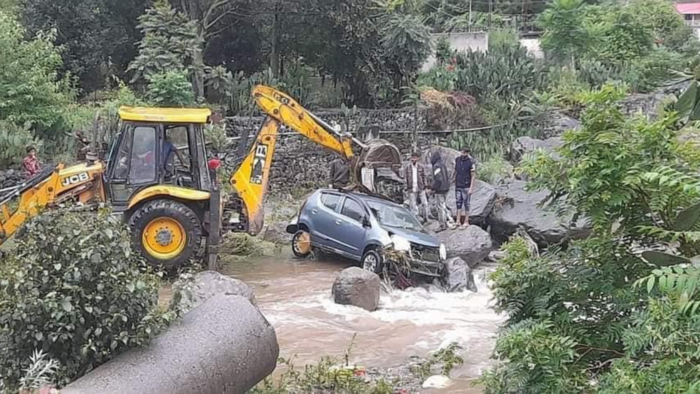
(75, 179)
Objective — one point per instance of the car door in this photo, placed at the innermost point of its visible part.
(322, 216)
(348, 233)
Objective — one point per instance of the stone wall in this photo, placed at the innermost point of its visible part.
(300, 165)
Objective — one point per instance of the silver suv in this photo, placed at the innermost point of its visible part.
(375, 232)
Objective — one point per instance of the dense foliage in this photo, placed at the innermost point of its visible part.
(73, 289)
(598, 316)
(31, 91)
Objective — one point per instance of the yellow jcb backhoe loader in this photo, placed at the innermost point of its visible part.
(157, 176)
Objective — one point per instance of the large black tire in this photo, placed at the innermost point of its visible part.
(180, 212)
(373, 261)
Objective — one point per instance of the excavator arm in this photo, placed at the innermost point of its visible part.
(288, 112)
(81, 182)
(251, 178)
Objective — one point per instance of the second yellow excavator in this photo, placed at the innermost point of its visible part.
(174, 208)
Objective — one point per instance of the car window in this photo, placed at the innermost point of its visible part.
(394, 216)
(330, 200)
(352, 209)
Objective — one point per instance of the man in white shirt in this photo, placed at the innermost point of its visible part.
(415, 185)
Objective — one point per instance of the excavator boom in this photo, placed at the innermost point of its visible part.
(288, 112)
(251, 177)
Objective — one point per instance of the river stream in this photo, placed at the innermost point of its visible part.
(295, 296)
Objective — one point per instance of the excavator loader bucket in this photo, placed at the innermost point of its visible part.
(385, 158)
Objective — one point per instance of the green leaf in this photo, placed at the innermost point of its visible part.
(650, 283)
(687, 101)
(661, 259)
(687, 218)
(39, 336)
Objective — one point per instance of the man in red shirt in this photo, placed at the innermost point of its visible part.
(31, 163)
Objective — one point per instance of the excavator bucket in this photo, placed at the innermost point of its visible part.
(380, 154)
(385, 158)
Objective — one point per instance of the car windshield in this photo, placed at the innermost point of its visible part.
(394, 216)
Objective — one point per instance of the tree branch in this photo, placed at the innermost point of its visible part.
(211, 24)
(210, 11)
(219, 31)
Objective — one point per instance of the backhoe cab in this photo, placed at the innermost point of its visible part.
(157, 176)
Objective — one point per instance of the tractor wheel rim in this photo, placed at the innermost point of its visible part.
(164, 238)
(302, 243)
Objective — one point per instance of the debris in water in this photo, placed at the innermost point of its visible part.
(437, 382)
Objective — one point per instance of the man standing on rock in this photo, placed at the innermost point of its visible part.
(440, 186)
(416, 184)
(465, 174)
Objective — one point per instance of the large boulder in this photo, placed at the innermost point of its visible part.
(471, 244)
(205, 285)
(458, 276)
(225, 346)
(524, 145)
(518, 207)
(449, 155)
(481, 203)
(358, 287)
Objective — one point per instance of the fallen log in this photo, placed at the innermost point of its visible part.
(225, 345)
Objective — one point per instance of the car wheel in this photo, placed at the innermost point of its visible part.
(301, 244)
(373, 261)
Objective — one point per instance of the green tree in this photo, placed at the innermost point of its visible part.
(31, 92)
(98, 36)
(565, 36)
(598, 316)
(171, 42)
(660, 17)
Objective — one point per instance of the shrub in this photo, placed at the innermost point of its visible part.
(14, 141)
(74, 289)
(170, 89)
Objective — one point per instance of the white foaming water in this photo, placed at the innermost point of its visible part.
(297, 302)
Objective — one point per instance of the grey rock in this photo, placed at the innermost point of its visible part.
(471, 244)
(525, 145)
(458, 276)
(277, 233)
(358, 287)
(496, 255)
(225, 345)
(206, 285)
(481, 203)
(519, 207)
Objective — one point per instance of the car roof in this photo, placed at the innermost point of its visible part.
(362, 197)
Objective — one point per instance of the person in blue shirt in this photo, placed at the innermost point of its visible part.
(465, 174)
(168, 150)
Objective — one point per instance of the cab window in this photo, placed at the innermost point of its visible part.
(352, 210)
(142, 166)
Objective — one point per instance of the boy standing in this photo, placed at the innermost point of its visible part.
(465, 174)
(31, 163)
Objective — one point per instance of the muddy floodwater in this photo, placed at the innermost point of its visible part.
(295, 296)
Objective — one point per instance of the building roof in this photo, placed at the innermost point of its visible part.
(165, 115)
(688, 8)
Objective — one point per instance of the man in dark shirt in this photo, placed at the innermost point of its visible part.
(465, 174)
(339, 174)
(440, 186)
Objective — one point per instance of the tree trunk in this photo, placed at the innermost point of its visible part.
(274, 52)
(198, 66)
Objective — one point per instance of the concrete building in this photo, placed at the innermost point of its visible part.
(691, 15)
